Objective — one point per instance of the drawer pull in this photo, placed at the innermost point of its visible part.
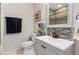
(42, 46)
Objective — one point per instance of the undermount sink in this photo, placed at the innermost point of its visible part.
(57, 44)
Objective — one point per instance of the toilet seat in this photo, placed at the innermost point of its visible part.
(28, 43)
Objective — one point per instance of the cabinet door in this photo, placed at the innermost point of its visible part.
(51, 50)
(39, 49)
(76, 47)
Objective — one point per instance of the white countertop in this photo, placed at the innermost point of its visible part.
(77, 38)
(61, 44)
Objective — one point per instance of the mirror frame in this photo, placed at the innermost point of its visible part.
(69, 20)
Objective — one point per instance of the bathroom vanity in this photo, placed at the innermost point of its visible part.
(46, 45)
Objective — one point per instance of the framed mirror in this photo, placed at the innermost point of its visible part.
(58, 13)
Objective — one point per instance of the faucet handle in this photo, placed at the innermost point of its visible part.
(55, 35)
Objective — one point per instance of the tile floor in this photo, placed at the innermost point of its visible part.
(13, 52)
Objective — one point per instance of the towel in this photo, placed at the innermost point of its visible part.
(13, 25)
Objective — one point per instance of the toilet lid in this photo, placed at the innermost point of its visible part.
(28, 43)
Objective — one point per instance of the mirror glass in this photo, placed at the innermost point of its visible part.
(58, 13)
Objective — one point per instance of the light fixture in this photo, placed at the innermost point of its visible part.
(59, 5)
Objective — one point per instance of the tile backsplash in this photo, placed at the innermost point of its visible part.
(65, 33)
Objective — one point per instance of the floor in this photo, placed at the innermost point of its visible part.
(14, 52)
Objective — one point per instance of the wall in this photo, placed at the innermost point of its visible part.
(37, 7)
(64, 33)
(75, 10)
(24, 11)
(0, 25)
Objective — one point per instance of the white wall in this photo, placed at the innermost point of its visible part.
(0, 25)
(22, 10)
(75, 11)
(37, 7)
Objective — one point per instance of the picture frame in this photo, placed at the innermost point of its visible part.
(37, 16)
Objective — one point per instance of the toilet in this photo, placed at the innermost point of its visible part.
(28, 46)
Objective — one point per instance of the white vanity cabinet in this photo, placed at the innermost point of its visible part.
(42, 48)
(39, 48)
(46, 45)
(51, 50)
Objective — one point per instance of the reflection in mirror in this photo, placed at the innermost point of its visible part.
(58, 13)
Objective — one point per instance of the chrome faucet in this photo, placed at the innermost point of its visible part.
(55, 35)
